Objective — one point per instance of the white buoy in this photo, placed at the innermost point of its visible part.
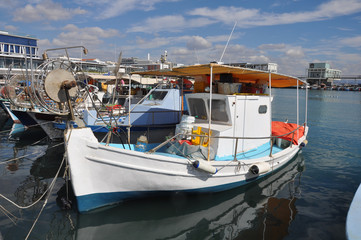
(205, 166)
(260, 167)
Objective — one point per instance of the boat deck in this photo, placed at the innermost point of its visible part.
(259, 152)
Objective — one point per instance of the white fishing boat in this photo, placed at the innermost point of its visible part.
(227, 140)
(212, 216)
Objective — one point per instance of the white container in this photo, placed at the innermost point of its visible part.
(183, 128)
(188, 119)
(220, 88)
(227, 88)
(235, 88)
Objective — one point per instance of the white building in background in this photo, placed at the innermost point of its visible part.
(16, 51)
(322, 73)
(134, 64)
(272, 67)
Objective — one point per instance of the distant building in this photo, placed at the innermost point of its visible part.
(91, 65)
(14, 49)
(322, 73)
(271, 67)
(134, 64)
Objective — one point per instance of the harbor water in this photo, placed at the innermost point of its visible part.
(308, 199)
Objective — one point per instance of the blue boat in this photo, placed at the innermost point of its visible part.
(5, 104)
(161, 109)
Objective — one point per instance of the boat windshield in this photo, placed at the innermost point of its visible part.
(197, 108)
(157, 95)
(219, 110)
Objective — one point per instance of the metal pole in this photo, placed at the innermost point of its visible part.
(129, 94)
(298, 108)
(270, 100)
(210, 112)
(306, 104)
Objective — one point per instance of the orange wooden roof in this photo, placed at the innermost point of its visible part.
(243, 74)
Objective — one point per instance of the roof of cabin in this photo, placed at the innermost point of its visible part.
(245, 75)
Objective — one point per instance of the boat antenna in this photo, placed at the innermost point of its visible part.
(229, 38)
(195, 50)
(116, 70)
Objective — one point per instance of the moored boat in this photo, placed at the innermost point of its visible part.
(228, 140)
(237, 209)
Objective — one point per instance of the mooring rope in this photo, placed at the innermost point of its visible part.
(8, 214)
(38, 200)
(34, 153)
(30, 126)
(50, 189)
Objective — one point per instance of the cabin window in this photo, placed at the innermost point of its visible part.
(219, 110)
(197, 108)
(262, 109)
(157, 95)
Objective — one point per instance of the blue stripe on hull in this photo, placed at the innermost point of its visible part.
(92, 201)
(104, 129)
(89, 202)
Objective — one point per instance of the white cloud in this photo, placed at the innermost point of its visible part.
(153, 43)
(226, 14)
(168, 23)
(89, 36)
(272, 46)
(254, 17)
(11, 28)
(352, 41)
(197, 42)
(113, 8)
(295, 52)
(45, 10)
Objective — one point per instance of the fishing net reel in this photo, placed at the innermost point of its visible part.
(17, 90)
(48, 87)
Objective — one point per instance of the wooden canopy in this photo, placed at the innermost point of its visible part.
(245, 75)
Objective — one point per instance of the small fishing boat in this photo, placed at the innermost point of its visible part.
(227, 140)
(237, 209)
(353, 220)
(5, 104)
(29, 99)
(160, 108)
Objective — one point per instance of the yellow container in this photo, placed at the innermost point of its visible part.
(196, 131)
(201, 140)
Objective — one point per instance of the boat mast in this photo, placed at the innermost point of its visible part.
(210, 111)
(270, 100)
(229, 38)
(129, 101)
(306, 104)
(298, 109)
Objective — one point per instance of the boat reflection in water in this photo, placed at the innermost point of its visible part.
(263, 209)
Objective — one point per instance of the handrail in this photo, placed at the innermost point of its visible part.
(228, 137)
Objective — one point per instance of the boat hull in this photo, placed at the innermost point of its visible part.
(354, 217)
(103, 175)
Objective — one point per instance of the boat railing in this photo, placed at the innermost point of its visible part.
(272, 139)
(144, 97)
(176, 115)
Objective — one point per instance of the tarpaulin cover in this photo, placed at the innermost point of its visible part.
(243, 75)
(281, 128)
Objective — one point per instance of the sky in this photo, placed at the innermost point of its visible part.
(291, 33)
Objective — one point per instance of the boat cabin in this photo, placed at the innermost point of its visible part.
(162, 106)
(231, 116)
(231, 104)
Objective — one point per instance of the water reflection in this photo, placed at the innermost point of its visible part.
(256, 210)
(26, 168)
